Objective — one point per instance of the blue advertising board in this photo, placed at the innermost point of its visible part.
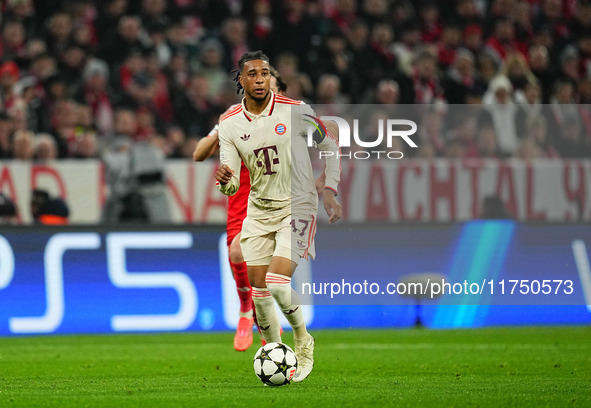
(96, 280)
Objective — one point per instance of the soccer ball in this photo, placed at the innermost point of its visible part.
(275, 364)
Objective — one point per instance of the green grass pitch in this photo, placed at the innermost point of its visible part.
(496, 367)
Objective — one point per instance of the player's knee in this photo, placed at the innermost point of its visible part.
(235, 251)
(256, 276)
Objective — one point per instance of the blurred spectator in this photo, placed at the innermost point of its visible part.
(95, 94)
(516, 69)
(581, 23)
(572, 143)
(345, 13)
(45, 147)
(328, 90)
(539, 61)
(9, 75)
(47, 210)
(451, 39)
(336, 59)
(528, 150)
(146, 121)
(488, 65)
(494, 208)
(233, 40)
(426, 151)
(584, 47)
(160, 102)
(153, 12)
(503, 41)
(211, 65)
(22, 11)
(27, 89)
(383, 58)
(43, 67)
(454, 149)
(23, 145)
(177, 75)
(569, 63)
(387, 92)
(261, 24)
(537, 130)
(126, 124)
(407, 48)
(189, 147)
(486, 143)
(13, 40)
(126, 40)
(522, 13)
(6, 130)
(551, 15)
(467, 13)
(195, 111)
(530, 104)
(175, 139)
(72, 65)
(8, 211)
(431, 26)
(426, 86)
(109, 13)
(463, 132)
(299, 84)
(60, 30)
(157, 39)
(460, 77)
(472, 38)
(177, 38)
(64, 119)
(430, 131)
(86, 146)
(358, 43)
(499, 103)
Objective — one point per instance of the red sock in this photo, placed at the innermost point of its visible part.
(242, 286)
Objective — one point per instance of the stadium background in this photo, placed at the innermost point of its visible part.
(81, 80)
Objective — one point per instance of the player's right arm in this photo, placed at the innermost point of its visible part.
(207, 146)
(228, 174)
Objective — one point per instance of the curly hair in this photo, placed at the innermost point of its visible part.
(247, 56)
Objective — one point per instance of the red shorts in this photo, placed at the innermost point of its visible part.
(237, 205)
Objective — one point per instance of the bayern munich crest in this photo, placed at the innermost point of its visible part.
(280, 129)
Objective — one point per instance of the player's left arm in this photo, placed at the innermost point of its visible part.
(332, 171)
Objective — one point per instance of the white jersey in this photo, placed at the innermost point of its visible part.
(273, 146)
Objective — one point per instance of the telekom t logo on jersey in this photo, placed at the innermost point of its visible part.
(267, 161)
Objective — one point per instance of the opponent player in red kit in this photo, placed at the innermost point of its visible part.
(237, 205)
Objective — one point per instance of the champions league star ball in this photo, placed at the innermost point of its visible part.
(275, 364)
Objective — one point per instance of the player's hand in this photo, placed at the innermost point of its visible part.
(332, 206)
(224, 174)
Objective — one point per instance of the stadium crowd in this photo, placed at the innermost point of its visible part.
(75, 75)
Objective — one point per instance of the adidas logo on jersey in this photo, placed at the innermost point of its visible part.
(245, 137)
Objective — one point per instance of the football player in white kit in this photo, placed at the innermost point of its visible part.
(268, 133)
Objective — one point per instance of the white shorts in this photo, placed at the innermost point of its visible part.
(288, 236)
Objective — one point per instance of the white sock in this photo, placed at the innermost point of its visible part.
(287, 299)
(267, 317)
(246, 314)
